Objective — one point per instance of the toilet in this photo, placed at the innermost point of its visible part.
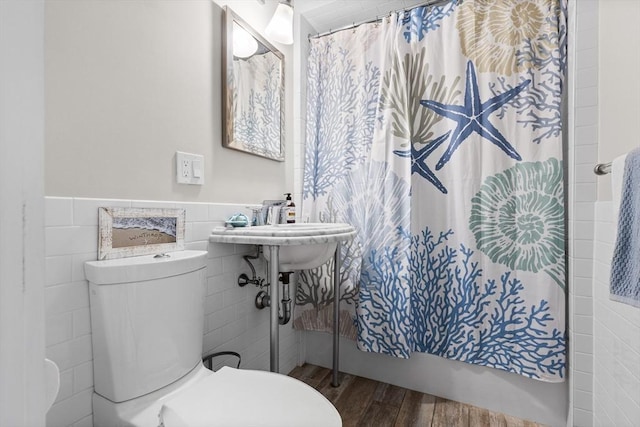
(147, 316)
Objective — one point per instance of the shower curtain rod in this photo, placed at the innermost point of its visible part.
(376, 19)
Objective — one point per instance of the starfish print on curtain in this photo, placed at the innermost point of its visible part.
(473, 116)
(419, 157)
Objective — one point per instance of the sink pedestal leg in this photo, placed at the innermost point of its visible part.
(336, 317)
(274, 306)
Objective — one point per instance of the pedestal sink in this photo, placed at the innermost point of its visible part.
(302, 245)
(290, 247)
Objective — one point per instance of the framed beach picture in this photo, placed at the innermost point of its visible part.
(126, 232)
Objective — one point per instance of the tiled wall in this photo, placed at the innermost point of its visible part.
(616, 337)
(231, 320)
(582, 153)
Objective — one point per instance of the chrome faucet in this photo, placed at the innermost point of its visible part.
(256, 215)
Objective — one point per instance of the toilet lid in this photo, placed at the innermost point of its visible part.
(244, 398)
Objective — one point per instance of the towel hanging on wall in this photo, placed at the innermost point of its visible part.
(625, 266)
(617, 176)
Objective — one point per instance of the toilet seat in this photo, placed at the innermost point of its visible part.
(245, 398)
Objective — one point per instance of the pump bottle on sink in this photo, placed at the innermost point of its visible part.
(289, 210)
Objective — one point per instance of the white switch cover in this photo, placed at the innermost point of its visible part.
(197, 168)
(189, 168)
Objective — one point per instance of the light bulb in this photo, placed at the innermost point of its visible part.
(244, 45)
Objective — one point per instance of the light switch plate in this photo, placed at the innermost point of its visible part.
(189, 168)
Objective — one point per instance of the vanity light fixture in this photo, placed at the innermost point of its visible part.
(280, 28)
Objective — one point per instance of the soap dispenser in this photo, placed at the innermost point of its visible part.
(290, 210)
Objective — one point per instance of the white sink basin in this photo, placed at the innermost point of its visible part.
(302, 245)
(298, 257)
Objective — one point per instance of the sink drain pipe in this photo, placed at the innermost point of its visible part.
(264, 300)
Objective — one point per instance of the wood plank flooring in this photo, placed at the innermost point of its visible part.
(365, 402)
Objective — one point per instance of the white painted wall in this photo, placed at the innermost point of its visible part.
(300, 59)
(22, 395)
(128, 83)
(619, 87)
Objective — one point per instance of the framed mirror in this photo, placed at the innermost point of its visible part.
(252, 90)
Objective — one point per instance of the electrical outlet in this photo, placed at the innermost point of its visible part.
(186, 166)
(189, 168)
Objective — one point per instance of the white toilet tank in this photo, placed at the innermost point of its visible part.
(147, 321)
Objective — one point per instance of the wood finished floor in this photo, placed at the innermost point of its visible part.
(364, 402)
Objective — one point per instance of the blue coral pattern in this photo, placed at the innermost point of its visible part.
(457, 193)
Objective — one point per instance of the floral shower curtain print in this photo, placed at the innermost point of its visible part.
(438, 134)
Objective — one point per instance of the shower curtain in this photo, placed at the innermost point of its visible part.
(437, 133)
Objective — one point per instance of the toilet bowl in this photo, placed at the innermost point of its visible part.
(227, 398)
(147, 319)
(240, 398)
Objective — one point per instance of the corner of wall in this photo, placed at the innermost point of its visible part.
(583, 149)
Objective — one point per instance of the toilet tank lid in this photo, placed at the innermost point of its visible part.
(141, 268)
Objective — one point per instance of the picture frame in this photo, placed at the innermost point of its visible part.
(127, 232)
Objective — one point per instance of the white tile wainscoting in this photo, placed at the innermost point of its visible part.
(582, 156)
(231, 320)
(616, 337)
